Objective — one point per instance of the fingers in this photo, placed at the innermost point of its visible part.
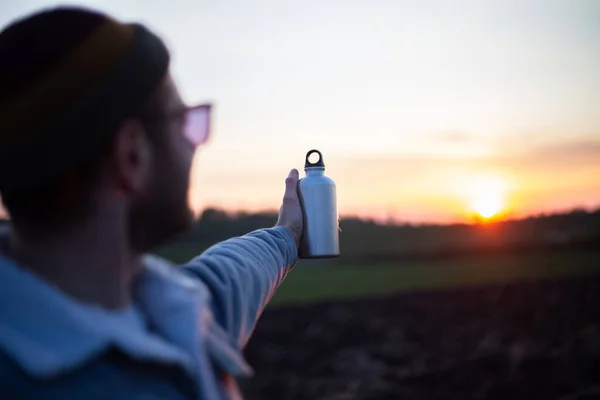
(291, 188)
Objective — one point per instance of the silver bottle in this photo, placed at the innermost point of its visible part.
(317, 193)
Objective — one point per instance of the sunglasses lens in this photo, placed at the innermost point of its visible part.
(197, 125)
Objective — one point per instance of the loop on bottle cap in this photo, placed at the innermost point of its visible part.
(318, 163)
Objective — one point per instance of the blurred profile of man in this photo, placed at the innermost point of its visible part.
(95, 153)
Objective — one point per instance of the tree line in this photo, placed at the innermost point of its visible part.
(370, 241)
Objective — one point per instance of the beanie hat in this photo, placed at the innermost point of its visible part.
(68, 78)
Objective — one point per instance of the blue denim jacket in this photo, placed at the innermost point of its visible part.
(200, 314)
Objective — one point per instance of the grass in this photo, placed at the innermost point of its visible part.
(311, 284)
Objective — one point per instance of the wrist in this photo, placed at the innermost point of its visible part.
(294, 233)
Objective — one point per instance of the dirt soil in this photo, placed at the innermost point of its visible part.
(533, 340)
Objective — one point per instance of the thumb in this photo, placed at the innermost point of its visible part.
(290, 213)
(291, 188)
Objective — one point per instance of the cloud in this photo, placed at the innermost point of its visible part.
(454, 137)
(578, 150)
(572, 151)
(560, 164)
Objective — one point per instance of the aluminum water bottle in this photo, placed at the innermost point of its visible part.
(320, 238)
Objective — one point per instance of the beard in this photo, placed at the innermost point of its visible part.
(161, 211)
(159, 216)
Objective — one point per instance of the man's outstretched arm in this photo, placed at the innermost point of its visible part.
(243, 273)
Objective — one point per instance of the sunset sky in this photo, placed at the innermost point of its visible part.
(424, 110)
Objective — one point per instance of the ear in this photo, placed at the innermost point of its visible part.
(132, 157)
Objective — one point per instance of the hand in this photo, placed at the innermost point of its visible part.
(290, 213)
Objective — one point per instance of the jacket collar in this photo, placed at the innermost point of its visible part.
(48, 333)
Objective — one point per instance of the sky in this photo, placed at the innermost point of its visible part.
(425, 111)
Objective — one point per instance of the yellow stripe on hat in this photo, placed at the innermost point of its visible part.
(85, 67)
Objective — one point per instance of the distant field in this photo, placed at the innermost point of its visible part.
(309, 284)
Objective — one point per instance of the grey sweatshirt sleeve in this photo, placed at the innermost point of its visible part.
(242, 275)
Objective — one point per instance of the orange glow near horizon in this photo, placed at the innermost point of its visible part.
(433, 191)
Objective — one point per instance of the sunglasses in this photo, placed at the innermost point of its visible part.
(196, 124)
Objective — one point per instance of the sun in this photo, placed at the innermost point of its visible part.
(487, 205)
(488, 198)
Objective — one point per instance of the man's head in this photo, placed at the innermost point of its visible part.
(90, 119)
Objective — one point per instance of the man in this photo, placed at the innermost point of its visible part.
(95, 153)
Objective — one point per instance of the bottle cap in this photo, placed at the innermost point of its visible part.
(319, 163)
